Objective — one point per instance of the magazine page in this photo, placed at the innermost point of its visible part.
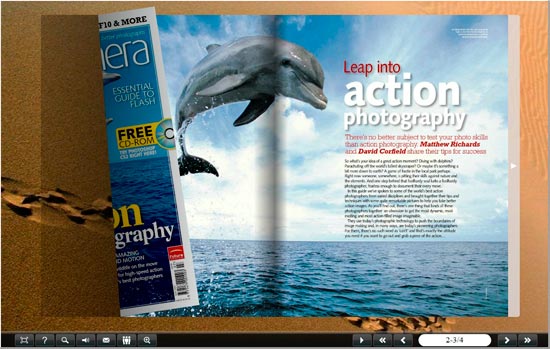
(153, 254)
(343, 165)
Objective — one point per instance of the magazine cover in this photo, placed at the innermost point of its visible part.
(333, 165)
(153, 254)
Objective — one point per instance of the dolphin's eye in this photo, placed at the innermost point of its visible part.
(285, 62)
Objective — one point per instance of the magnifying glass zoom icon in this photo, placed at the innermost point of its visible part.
(64, 340)
(146, 340)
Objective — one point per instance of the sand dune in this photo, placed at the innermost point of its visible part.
(410, 324)
(55, 207)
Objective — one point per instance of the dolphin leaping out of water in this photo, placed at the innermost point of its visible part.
(254, 68)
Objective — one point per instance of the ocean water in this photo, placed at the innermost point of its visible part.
(148, 183)
(316, 279)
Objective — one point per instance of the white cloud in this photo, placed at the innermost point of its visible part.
(299, 132)
(491, 124)
(300, 21)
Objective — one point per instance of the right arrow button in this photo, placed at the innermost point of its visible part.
(362, 340)
(507, 340)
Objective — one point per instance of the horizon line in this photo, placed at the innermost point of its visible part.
(349, 241)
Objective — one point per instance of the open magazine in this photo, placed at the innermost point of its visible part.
(345, 165)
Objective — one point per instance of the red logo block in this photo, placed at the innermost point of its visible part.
(175, 253)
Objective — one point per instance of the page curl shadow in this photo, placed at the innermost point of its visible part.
(78, 270)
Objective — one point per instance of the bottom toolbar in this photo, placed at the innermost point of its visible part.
(274, 339)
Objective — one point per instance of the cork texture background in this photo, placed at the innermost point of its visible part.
(61, 276)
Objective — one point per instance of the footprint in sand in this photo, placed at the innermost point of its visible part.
(55, 207)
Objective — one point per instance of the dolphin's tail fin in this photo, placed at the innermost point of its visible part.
(194, 164)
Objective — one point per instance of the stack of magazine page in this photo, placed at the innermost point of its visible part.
(330, 165)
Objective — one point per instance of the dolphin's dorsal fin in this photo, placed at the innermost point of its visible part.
(225, 84)
(256, 108)
(211, 47)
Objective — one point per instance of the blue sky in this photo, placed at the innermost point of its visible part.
(234, 205)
